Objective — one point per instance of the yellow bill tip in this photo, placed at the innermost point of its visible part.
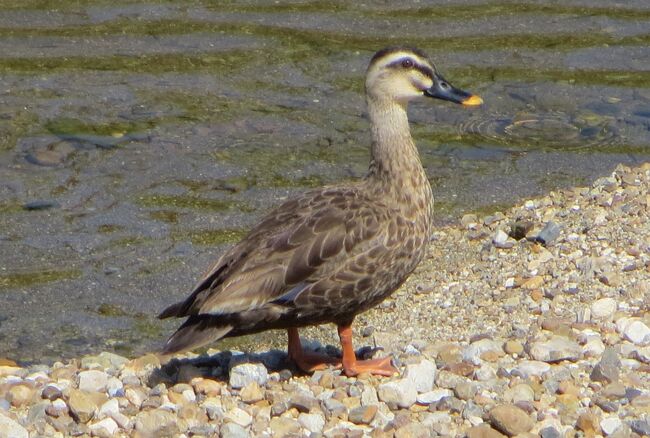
(473, 100)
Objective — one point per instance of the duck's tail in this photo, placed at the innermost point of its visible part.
(196, 331)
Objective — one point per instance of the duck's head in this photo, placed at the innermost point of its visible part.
(401, 74)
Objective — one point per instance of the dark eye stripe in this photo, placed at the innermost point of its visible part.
(425, 70)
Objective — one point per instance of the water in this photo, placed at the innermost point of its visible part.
(137, 140)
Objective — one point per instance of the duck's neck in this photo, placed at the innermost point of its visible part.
(396, 170)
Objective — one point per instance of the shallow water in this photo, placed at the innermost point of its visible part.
(138, 139)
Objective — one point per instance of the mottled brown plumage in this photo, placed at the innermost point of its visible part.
(333, 252)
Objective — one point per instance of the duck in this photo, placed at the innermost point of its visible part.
(331, 253)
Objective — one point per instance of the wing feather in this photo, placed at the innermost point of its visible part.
(300, 243)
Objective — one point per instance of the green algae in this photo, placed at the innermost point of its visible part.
(477, 75)
(109, 228)
(30, 279)
(210, 237)
(14, 125)
(188, 202)
(67, 126)
(111, 310)
(167, 216)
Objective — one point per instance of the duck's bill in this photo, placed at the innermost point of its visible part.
(442, 89)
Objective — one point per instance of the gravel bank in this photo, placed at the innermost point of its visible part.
(531, 322)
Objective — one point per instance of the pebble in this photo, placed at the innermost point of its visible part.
(312, 422)
(11, 429)
(233, 430)
(93, 381)
(557, 349)
(251, 393)
(528, 368)
(401, 393)
(510, 420)
(362, 414)
(608, 368)
(283, 426)
(549, 233)
(422, 375)
(637, 332)
(81, 405)
(549, 432)
(641, 427)
(20, 395)
(603, 309)
(483, 431)
(239, 416)
(434, 396)
(106, 428)
(243, 374)
(610, 424)
(513, 347)
(156, 422)
(475, 352)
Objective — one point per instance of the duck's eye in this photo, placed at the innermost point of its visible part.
(407, 63)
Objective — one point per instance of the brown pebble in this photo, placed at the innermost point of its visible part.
(362, 414)
(251, 393)
(483, 431)
(208, 387)
(589, 424)
(533, 282)
(20, 395)
(513, 347)
(510, 419)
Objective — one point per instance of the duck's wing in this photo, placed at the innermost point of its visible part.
(302, 241)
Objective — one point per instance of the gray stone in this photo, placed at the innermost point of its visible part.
(239, 416)
(466, 390)
(369, 396)
(447, 379)
(434, 396)
(334, 406)
(243, 374)
(400, 393)
(232, 430)
(610, 424)
(11, 429)
(472, 353)
(529, 368)
(637, 332)
(642, 427)
(106, 428)
(312, 422)
(471, 409)
(607, 369)
(303, 401)
(93, 381)
(549, 233)
(156, 422)
(549, 432)
(520, 392)
(603, 309)
(422, 375)
(556, 349)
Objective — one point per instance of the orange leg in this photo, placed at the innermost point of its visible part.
(306, 361)
(352, 366)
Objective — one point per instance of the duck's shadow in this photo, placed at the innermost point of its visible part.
(217, 366)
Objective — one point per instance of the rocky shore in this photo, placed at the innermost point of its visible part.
(530, 322)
